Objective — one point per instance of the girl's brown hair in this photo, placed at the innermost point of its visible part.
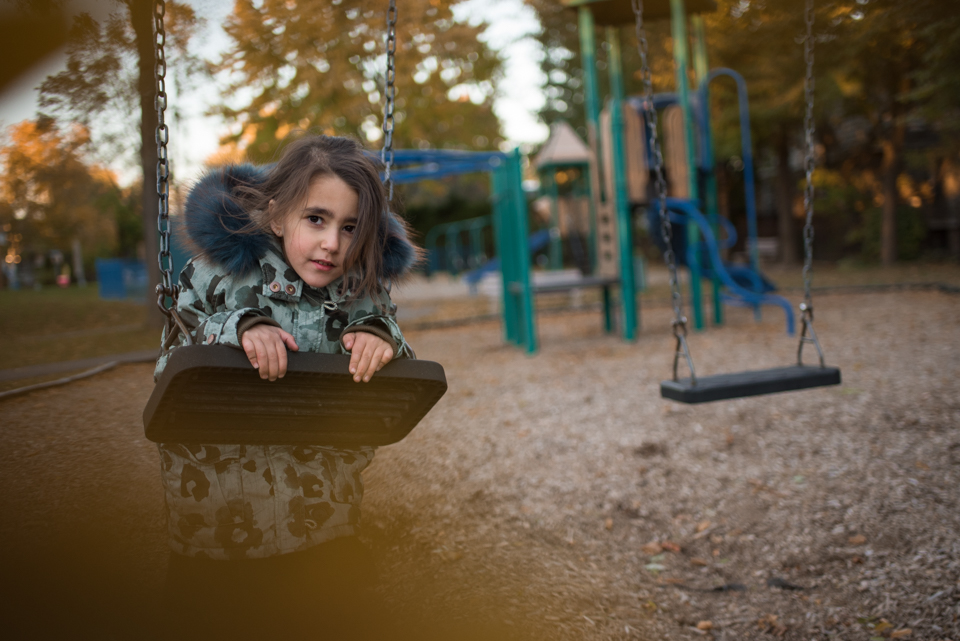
(288, 184)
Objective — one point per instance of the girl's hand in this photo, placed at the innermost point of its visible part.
(266, 347)
(368, 354)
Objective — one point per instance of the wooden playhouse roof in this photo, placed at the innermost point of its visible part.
(563, 147)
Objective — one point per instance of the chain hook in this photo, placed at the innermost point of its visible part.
(806, 319)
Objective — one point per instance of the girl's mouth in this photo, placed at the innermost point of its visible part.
(323, 265)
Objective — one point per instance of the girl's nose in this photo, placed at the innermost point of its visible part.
(330, 241)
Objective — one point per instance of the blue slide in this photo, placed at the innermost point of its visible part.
(744, 286)
(537, 241)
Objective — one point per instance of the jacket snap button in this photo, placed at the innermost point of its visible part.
(291, 290)
(274, 286)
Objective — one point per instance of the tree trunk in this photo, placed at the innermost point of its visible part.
(889, 170)
(786, 188)
(141, 17)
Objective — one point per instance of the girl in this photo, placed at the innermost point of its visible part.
(291, 257)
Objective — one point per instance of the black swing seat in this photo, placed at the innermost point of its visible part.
(211, 394)
(740, 384)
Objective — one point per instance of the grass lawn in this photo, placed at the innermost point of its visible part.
(54, 325)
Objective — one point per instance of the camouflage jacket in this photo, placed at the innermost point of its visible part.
(234, 501)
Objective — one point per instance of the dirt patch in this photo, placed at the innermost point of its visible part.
(558, 497)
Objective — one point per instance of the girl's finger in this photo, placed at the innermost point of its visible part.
(385, 358)
(348, 341)
(281, 358)
(263, 360)
(274, 347)
(376, 362)
(366, 357)
(289, 341)
(250, 350)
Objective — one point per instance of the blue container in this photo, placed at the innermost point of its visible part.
(121, 279)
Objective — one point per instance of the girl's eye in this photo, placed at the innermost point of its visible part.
(349, 228)
(314, 219)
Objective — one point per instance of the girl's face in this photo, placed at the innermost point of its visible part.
(317, 235)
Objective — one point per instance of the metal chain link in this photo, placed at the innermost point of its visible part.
(166, 288)
(809, 160)
(679, 320)
(807, 333)
(386, 154)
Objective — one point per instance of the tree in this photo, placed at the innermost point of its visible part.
(109, 76)
(52, 195)
(319, 64)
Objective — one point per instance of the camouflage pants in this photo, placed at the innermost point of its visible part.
(259, 501)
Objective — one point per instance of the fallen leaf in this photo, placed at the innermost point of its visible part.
(670, 546)
(655, 567)
(705, 625)
(702, 525)
(883, 625)
(608, 524)
(649, 606)
(651, 548)
(766, 622)
(922, 466)
(716, 553)
(857, 540)
(698, 561)
(901, 633)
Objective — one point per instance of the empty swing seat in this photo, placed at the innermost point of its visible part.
(211, 394)
(741, 384)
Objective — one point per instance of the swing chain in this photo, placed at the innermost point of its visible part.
(679, 323)
(166, 288)
(386, 154)
(807, 333)
(809, 160)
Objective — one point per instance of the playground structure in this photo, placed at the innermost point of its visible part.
(606, 180)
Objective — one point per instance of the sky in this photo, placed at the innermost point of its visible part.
(510, 31)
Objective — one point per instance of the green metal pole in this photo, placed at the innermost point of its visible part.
(701, 71)
(501, 228)
(628, 292)
(591, 92)
(521, 233)
(678, 22)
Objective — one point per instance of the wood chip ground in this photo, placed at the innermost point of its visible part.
(558, 497)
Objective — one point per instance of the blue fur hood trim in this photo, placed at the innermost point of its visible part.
(212, 220)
